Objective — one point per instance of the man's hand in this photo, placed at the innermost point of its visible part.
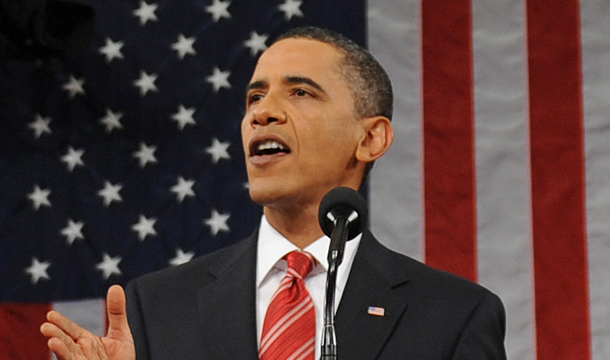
(69, 341)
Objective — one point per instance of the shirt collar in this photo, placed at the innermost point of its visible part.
(273, 246)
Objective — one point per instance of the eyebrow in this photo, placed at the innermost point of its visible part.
(259, 84)
(291, 80)
(296, 80)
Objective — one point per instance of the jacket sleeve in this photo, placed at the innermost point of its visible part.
(136, 321)
(483, 335)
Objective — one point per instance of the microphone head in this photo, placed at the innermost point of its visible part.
(347, 202)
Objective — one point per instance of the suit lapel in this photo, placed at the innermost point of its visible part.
(375, 280)
(227, 305)
(228, 311)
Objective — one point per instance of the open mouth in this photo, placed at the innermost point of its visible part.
(268, 147)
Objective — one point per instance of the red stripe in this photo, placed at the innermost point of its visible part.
(20, 338)
(558, 180)
(449, 171)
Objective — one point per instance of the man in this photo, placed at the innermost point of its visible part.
(318, 112)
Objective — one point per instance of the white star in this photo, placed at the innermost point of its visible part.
(38, 270)
(39, 197)
(218, 150)
(146, 12)
(110, 193)
(218, 222)
(73, 231)
(112, 50)
(256, 43)
(40, 126)
(184, 46)
(146, 82)
(73, 158)
(112, 120)
(181, 257)
(109, 266)
(219, 9)
(183, 188)
(146, 154)
(219, 79)
(145, 227)
(184, 116)
(291, 8)
(74, 87)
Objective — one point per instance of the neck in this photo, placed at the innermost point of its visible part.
(300, 226)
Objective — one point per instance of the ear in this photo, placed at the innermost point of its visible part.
(377, 138)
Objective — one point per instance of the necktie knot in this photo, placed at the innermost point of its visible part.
(300, 264)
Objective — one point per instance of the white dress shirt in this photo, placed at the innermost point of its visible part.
(271, 268)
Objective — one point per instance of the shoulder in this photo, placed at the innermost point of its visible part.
(199, 271)
(425, 283)
(444, 314)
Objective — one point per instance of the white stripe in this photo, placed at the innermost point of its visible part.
(280, 328)
(396, 191)
(285, 284)
(303, 351)
(596, 89)
(90, 314)
(282, 324)
(505, 258)
(294, 273)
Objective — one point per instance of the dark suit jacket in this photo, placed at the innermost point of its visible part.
(205, 310)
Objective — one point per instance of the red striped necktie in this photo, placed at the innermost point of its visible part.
(289, 330)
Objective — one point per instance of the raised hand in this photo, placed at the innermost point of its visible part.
(69, 341)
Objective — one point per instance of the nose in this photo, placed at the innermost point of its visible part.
(268, 110)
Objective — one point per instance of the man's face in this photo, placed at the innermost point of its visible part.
(300, 131)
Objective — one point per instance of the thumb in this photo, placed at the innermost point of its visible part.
(118, 327)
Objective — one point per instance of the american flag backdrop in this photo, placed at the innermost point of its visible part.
(501, 168)
(126, 158)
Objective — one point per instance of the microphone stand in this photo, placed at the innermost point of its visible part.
(335, 256)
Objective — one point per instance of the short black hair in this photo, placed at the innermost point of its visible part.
(369, 83)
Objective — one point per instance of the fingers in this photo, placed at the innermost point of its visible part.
(116, 302)
(60, 349)
(59, 342)
(118, 326)
(67, 326)
(70, 341)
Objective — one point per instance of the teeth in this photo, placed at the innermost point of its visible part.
(270, 144)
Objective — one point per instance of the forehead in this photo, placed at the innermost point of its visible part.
(302, 57)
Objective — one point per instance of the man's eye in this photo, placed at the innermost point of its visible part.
(254, 98)
(300, 92)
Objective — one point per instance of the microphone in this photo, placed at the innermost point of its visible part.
(342, 215)
(344, 211)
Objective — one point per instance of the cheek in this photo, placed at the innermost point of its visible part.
(331, 149)
(245, 129)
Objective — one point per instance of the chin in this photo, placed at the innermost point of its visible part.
(275, 196)
(263, 194)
